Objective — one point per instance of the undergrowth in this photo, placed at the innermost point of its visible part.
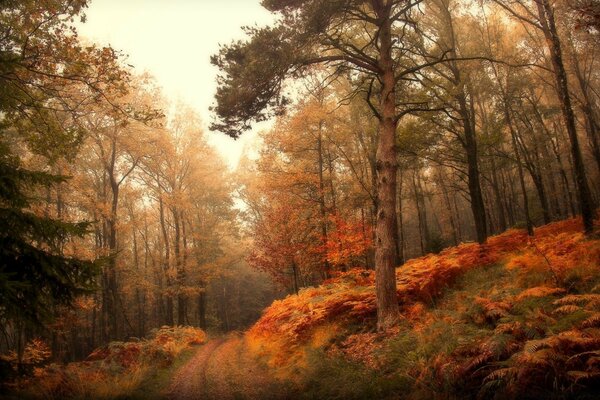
(518, 317)
(117, 370)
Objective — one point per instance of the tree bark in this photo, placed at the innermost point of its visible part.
(167, 264)
(385, 246)
(322, 207)
(546, 17)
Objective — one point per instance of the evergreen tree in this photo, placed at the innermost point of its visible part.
(34, 275)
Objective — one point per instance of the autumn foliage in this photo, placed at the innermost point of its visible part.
(532, 324)
(111, 371)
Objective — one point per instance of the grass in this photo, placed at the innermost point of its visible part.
(155, 384)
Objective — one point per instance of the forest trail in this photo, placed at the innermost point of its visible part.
(190, 382)
(225, 369)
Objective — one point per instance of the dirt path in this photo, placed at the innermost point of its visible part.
(225, 369)
(190, 382)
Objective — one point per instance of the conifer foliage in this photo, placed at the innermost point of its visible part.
(35, 275)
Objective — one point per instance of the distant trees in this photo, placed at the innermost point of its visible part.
(544, 19)
(116, 218)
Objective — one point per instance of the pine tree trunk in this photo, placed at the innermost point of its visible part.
(385, 245)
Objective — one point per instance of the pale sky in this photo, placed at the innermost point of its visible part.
(173, 40)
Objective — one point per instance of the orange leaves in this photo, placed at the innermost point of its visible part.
(491, 311)
(560, 250)
(36, 352)
(557, 361)
(292, 325)
(539, 291)
(528, 262)
(165, 344)
(113, 371)
(347, 241)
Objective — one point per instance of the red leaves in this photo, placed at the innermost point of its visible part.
(347, 241)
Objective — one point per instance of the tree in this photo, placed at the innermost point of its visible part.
(370, 40)
(43, 70)
(541, 15)
(35, 275)
(588, 14)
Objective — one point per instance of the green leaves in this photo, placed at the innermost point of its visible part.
(251, 81)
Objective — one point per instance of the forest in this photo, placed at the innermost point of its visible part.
(414, 217)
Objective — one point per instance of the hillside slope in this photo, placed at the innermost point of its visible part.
(518, 317)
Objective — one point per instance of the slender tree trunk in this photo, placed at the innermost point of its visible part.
(167, 264)
(588, 110)
(448, 205)
(322, 208)
(400, 222)
(499, 204)
(138, 294)
(419, 214)
(184, 256)
(469, 142)
(295, 283)
(474, 184)
(546, 17)
(202, 307)
(513, 136)
(112, 264)
(179, 268)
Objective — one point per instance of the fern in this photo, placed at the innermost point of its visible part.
(592, 322)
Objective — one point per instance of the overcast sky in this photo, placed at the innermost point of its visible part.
(173, 40)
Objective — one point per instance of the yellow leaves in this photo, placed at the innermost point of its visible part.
(35, 353)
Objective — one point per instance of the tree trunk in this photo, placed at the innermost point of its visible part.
(513, 135)
(322, 208)
(400, 221)
(167, 264)
(546, 17)
(112, 263)
(179, 268)
(587, 107)
(202, 308)
(385, 246)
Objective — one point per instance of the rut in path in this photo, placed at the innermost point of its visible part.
(190, 381)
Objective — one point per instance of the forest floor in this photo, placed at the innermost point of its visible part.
(518, 317)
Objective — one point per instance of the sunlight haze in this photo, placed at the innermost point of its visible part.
(173, 41)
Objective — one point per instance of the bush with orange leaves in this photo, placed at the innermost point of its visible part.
(111, 371)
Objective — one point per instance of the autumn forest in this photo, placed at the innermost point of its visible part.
(411, 211)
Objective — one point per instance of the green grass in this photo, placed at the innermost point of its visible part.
(155, 385)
